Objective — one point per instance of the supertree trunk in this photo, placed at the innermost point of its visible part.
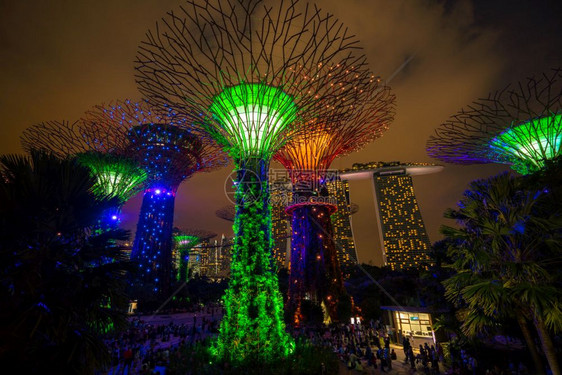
(252, 327)
(315, 270)
(153, 241)
(182, 274)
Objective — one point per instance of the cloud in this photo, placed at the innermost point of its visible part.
(59, 58)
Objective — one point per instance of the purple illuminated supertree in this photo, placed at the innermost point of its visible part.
(117, 175)
(520, 125)
(315, 272)
(163, 145)
(252, 73)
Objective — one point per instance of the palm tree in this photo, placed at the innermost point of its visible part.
(57, 289)
(503, 252)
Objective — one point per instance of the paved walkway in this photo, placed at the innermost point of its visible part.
(398, 365)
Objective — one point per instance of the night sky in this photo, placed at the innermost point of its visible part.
(58, 58)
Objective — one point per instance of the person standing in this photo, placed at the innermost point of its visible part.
(128, 357)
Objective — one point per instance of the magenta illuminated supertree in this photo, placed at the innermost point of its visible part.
(252, 73)
(520, 125)
(315, 273)
(164, 146)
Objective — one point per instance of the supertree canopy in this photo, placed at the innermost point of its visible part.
(251, 74)
(520, 125)
(226, 213)
(117, 176)
(170, 153)
(315, 272)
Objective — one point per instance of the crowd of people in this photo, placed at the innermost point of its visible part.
(367, 347)
(147, 346)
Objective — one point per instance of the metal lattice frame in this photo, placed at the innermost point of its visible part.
(64, 139)
(335, 137)
(140, 125)
(519, 125)
(226, 213)
(200, 52)
(116, 174)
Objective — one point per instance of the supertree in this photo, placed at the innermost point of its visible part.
(520, 125)
(252, 75)
(315, 272)
(185, 240)
(117, 176)
(226, 213)
(169, 153)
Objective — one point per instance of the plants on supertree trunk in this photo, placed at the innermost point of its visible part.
(252, 327)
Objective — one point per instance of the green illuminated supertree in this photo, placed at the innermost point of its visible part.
(184, 242)
(520, 126)
(117, 176)
(252, 74)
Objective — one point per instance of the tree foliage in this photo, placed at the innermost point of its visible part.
(506, 251)
(60, 285)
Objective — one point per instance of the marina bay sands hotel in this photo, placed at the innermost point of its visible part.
(404, 240)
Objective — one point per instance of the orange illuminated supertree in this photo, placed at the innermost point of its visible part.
(170, 152)
(315, 272)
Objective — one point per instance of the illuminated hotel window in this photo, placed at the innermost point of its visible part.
(404, 235)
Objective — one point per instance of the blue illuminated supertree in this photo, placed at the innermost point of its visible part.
(169, 154)
(117, 175)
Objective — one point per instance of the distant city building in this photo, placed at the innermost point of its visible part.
(280, 224)
(215, 258)
(341, 221)
(404, 240)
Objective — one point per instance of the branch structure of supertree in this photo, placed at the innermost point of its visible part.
(226, 213)
(315, 272)
(520, 125)
(117, 176)
(169, 153)
(252, 74)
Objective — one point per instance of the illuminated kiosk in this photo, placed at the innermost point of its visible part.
(117, 176)
(520, 126)
(262, 73)
(315, 271)
(169, 153)
(404, 240)
(415, 323)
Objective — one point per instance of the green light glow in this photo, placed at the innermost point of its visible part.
(252, 116)
(184, 244)
(528, 145)
(115, 176)
(252, 329)
(186, 241)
